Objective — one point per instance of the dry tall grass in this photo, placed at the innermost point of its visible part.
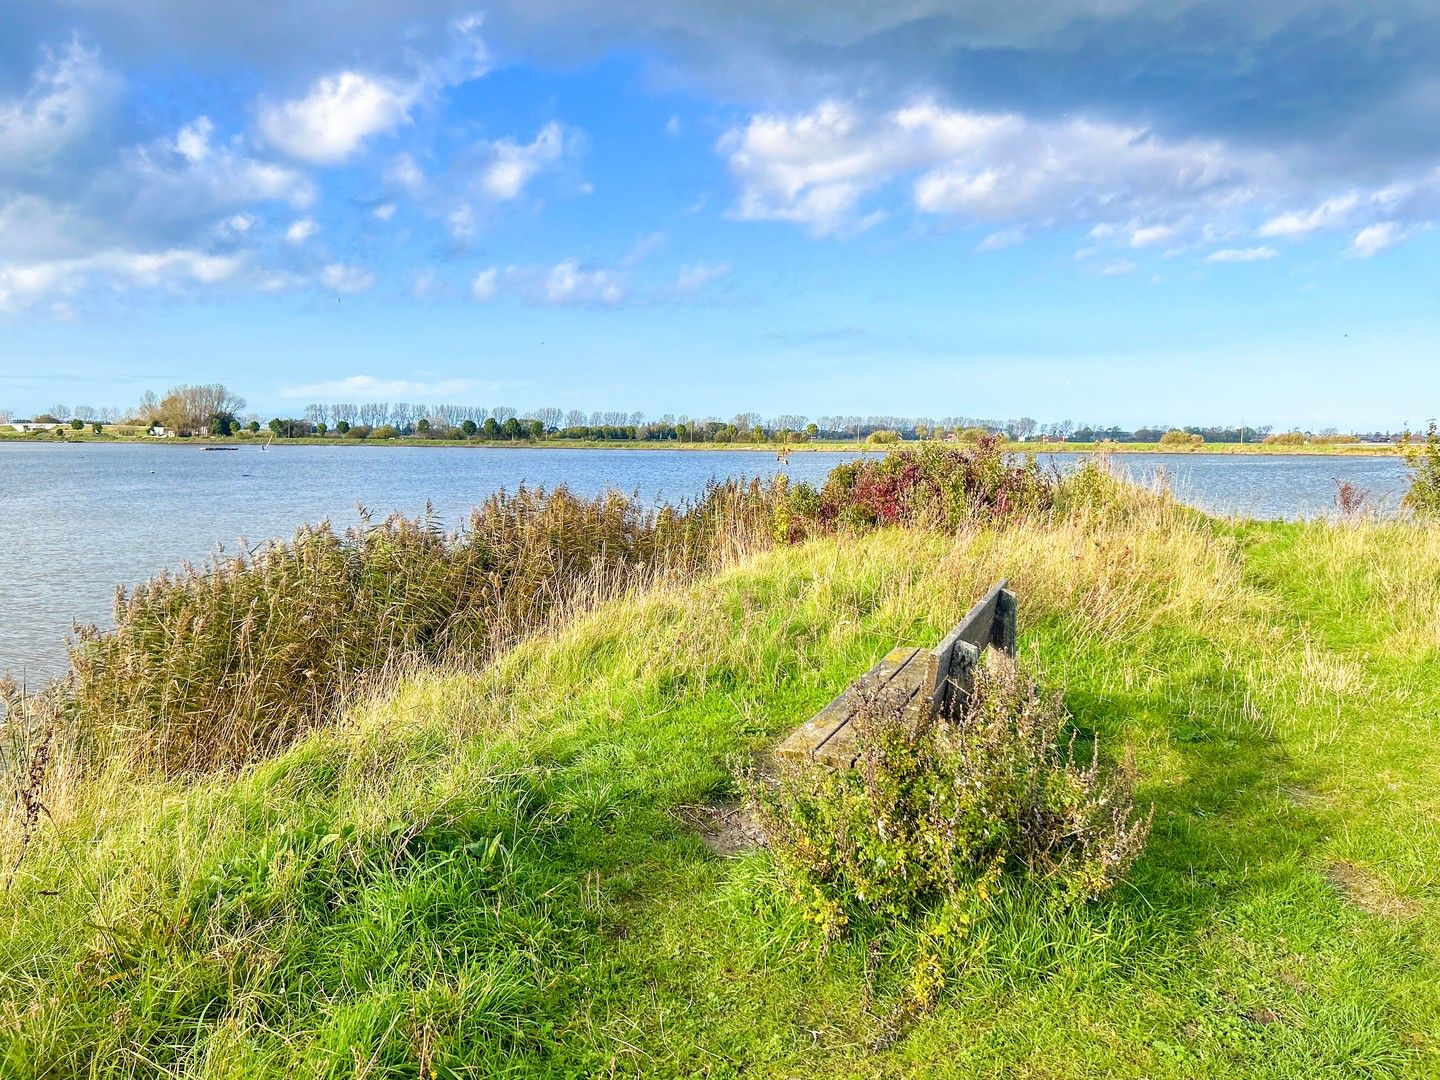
(220, 665)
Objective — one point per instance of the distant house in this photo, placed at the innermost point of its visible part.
(31, 425)
(160, 431)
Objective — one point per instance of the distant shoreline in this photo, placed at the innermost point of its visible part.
(818, 446)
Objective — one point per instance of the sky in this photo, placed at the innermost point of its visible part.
(1109, 211)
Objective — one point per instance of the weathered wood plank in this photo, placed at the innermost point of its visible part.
(842, 747)
(1007, 619)
(804, 740)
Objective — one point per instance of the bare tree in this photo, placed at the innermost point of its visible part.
(503, 413)
(549, 416)
(574, 418)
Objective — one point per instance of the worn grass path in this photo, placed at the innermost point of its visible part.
(494, 874)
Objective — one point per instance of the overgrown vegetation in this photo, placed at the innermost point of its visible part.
(949, 810)
(221, 665)
(1423, 496)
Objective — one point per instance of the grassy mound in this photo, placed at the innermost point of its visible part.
(498, 873)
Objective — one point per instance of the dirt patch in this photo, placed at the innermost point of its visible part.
(725, 827)
(1363, 889)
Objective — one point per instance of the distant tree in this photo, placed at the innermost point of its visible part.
(384, 431)
(276, 425)
(342, 427)
(422, 427)
(321, 428)
(254, 425)
(510, 429)
(77, 424)
(549, 417)
(812, 430)
(535, 429)
(490, 429)
(97, 427)
(469, 427)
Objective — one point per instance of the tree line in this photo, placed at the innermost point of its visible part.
(213, 409)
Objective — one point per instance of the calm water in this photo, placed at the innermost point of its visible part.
(78, 520)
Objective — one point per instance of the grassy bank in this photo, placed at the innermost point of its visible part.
(502, 872)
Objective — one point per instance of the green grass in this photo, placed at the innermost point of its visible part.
(494, 873)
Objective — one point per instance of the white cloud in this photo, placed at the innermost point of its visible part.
(300, 230)
(1297, 223)
(189, 174)
(1146, 235)
(404, 173)
(643, 248)
(567, 282)
(338, 114)
(513, 165)
(486, 284)
(1374, 239)
(346, 279)
(1116, 268)
(695, 276)
(998, 241)
(67, 95)
(423, 283)
(370, 388)
(383, 212)
(1241, 255)
(673, 126)
(832, 168)
(817, 167)
(22, 284)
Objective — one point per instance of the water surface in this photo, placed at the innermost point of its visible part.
(79, 519)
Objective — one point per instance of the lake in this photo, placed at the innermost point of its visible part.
(80, 519)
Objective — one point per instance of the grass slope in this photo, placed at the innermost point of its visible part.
(492, 873)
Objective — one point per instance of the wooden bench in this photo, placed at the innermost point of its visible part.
(926, 678)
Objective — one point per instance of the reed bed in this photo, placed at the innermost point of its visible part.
(222, 664)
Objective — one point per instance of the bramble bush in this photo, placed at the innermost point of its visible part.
(933, 485)
(955, 808)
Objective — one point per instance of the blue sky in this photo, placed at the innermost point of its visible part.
(1116, 212)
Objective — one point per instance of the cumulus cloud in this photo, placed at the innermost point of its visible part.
(570, 283)
(336, 116)
(486, 284)
(513, 165)
(370, 388)
(1241, 255)
(300, 230)
(346, 279)
(1374, 239)
(814, 168)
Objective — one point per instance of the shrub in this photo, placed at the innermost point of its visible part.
(952, 809)
(359, 431)
(1286, 438)
(384, 431)
(1423, 496)
(933, 484)
(882, 438)
(1175, 437)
